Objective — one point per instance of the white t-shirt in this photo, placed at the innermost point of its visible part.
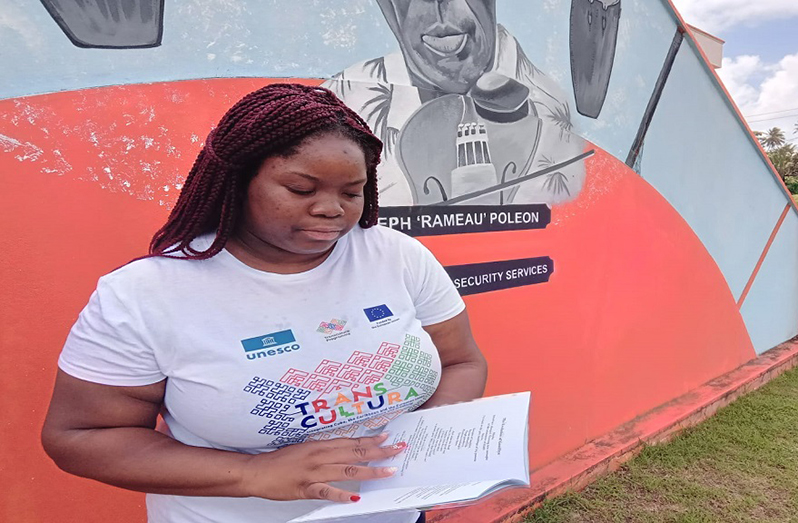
(257, 360)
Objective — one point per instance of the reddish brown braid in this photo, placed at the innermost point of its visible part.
(272, 121)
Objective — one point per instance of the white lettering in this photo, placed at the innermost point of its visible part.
(395, 222)
(481, 279)
(514, 274)
(451, 220)
(514, 218)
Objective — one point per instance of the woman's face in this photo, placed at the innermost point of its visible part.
(302, 204)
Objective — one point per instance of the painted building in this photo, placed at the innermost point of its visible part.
(618, 234)
(711, 45)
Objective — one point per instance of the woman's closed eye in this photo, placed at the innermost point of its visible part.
(302, 191)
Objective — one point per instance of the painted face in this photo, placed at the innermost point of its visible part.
(447, 44)
(301, 205)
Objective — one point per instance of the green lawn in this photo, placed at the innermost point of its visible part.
(741, 465)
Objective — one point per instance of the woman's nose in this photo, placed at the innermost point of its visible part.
(328, 207)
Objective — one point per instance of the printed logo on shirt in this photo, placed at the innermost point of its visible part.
(334, 329)
(380, 316)
(377, 313)
(272, 344)
(331, 327)
(321, 412)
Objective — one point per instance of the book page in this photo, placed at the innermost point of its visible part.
(393, 501)
(456, 453)
(481, 440)
(410, 516)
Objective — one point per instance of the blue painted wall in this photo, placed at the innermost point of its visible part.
(771, 308)
(699, 156)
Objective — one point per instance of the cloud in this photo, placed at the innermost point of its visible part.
(767, 94)
(718, 15)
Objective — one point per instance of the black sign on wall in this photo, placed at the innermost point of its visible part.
(433, 220)
(476, 278)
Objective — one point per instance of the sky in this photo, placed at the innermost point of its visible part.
(760, 56)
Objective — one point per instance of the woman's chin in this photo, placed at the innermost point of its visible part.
(321, 236)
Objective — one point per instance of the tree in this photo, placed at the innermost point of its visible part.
(785, 160)
(783, 155)
(772, 139)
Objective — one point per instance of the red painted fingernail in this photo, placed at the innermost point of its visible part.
(355, 498)
(400, 445)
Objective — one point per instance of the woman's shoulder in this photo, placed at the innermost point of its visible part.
(153, 272)
(141, 274)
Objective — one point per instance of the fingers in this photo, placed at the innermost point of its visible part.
(358, 453)
(358, 442)
(346, 450)
(354, 472)
(324, 491)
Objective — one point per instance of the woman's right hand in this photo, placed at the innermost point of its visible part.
(304, 470)
(107, 433)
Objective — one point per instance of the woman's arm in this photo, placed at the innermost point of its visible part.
(464, 370)
(107, 433)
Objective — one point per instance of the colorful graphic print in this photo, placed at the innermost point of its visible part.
(331, 327)
(337, 398)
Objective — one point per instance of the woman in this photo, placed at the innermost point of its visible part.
(273, 327)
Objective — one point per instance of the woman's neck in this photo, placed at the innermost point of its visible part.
(266, 257)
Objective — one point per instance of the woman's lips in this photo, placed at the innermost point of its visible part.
(322, 234)
(448, 45)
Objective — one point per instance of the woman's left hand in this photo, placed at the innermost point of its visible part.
(464, 370)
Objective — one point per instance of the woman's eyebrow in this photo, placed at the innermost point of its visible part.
(303, 175)
(312, 178)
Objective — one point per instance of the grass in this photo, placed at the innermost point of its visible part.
(739, 466)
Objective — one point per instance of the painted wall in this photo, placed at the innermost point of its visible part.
(661, 275)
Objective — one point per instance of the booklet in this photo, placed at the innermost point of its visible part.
(457, 454)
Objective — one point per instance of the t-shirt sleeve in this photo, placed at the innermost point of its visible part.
(105, 345)
(434, 295)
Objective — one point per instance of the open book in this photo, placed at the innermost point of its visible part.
(456, 454)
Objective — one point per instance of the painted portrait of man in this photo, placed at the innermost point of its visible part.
(465, 115)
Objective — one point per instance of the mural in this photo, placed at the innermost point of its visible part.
(465, 114)
(593, 38)
(544, 151)
(112, 24)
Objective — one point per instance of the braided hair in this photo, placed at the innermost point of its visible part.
(272, 121)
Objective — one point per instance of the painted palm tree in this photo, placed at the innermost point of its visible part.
(773, 138)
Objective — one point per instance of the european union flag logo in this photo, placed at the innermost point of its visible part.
(377, 313)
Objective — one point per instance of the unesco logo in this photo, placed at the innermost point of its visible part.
(272, 344)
